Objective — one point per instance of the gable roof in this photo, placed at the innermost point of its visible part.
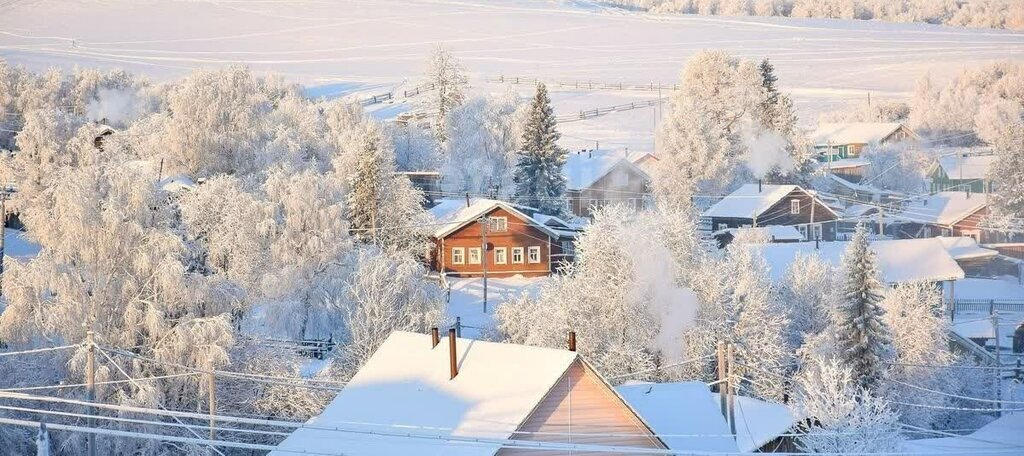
(405, 388)
(679, 411)
(453, 214)
(899, 260)
(751, 199)
(853, 133)
(942, 208)
(960, 166)
(965, 248)
(584, 168)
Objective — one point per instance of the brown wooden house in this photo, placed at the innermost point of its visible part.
(756, 205)
(517, 243)
(598, 178)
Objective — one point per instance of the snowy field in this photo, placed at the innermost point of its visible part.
(373, 46)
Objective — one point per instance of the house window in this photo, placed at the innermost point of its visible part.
(794, 206)
(535, 254)
(568, 247)
(499, 224)
(474, 255)
(816, 231)
(517, 255)
(803, 231)
(458, 255)
(723, 226)
(500, 255)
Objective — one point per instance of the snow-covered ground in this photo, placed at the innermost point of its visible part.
(17, 246)
(370, 47)
(467, 300)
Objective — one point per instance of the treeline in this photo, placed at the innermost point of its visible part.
(999, 14)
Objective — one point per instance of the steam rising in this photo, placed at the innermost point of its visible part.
(114, 106)
(766, 150)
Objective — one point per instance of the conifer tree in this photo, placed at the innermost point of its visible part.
(864, 340)
(538, 176)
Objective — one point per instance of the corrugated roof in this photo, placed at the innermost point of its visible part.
(852, 133)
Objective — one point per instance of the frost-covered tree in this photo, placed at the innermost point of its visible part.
(485, 133)
(896, 167)
(539, 178)
(415, 147)
(776, 111)
(448, 80)
(869, 111)
(864, 339)
(1007, 174)
(809, 292)
(845, 417)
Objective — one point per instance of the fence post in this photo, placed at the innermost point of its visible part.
(991, 306)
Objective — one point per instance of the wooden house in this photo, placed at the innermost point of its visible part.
(944, 214)
(597, 178)
(756, 205)
(517, 242)
(450, 396)
(961, 172)
(840, 141)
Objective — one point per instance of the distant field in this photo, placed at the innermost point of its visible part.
(370, 46)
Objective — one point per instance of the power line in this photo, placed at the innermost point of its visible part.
(38, 350)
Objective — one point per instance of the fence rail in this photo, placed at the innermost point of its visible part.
(988, 305)
(388, 96)
(588, 85)
(591, 113)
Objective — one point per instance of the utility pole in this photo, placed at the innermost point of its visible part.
(485, 224)
(212, 402)
(90, 381)
(721, 379)
(3, 234)
(730, 383)
(999, 364)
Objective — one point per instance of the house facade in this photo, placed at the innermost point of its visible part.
(755, 205)
(961, 172)
(516, 243)
(944, 214)
(598, 178)
(834, 142)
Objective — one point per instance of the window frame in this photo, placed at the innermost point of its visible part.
(504, 255)
(469, 256)
(530, 252)
(462, 255)
(498, 224)
(522, 255)
(794, 206)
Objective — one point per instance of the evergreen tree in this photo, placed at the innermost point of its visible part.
(447, 78)
(768, 79)
(538, 176)
(864, 340)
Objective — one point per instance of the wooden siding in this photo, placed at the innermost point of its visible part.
(780, 214)
(624, 184)
(583, 405)
(518, 234)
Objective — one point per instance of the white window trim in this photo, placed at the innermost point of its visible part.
(499, 224)
(794, 206)
(522, 255)
(503, 259)
(469, 257)
(461, 259)
(533, 249)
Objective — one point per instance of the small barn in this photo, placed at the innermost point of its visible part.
(596, 178)
(463, 397)
(756, 205)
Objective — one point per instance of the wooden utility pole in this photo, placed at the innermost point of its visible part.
(999, 364)
(3, 234)
(721, 379)
(211, 385)
(731, 384)
(485, 224)
(90, 381)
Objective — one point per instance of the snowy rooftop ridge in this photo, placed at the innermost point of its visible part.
(451, 214)
(943, 208)
(959, 166)
(749, 200)
(853, 133)
(775, 232)
(583, 168)
(675, 410)
(1000, 437)
(900, 260)
(406, 388)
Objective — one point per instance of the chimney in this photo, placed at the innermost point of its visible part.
(451, 352)
(467, 199)
(434, 338)
(572, 341)
(759, 186)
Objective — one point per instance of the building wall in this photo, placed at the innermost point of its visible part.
(518, 235)
(780, 214)
(581, 403)
(624, 184)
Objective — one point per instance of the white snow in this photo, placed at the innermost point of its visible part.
(964, 248)
(688, 417)
(583, 169)
(943, 208)
(976, 288)
(958, 166)
(852, 133)
(749, 200)
(452, 214)
(902, 260)
(1001, 437)
(178, 183)
(467, 300)
(774, 232)
(406, 388)
(18, 246)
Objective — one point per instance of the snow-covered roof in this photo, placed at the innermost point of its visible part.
(943, 208)
(682, 411)
(452, 214)
(582, 169)
(852, 133)
(751, 199)
(845, 163)
(18, 246)
(998, 438)
(175, 184)
(859, 210)
(405, 388)
(900, 260)
(959, 166)
(776, 232)
(965, 248)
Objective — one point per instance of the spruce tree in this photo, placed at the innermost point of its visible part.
(1008, 173)
(539, 180)
(768, 80)
(864, 340)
